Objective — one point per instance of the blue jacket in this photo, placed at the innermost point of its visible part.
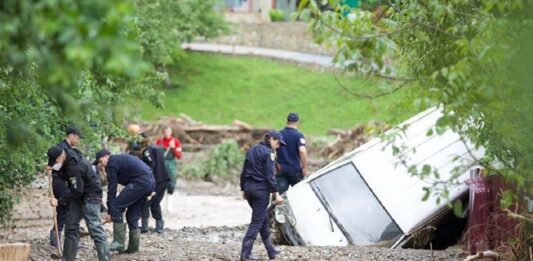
(259, 167)
(123, 169)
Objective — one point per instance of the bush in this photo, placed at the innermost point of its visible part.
(223, 162)
(276, 15)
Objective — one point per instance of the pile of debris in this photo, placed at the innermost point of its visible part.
(195, 135)
(348, 140)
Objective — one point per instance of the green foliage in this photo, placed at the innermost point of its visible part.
(165, 24)
(276, 15)
(217, 89)
(223, 162)
(72, 62)
(473, 58)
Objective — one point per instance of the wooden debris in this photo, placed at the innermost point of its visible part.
(201, 136)
(15, 251)
(484, 254)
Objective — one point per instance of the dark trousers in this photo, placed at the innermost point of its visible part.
(285, 179)
(258, 198)
(90, 212)
(59, 188)
(133, 198)
(154, 205)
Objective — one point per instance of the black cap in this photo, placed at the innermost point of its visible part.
(293, 117)
(276, 135)
(100, 154)
(53, 153)
(72, 130)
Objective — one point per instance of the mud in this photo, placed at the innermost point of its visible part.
(203, 222)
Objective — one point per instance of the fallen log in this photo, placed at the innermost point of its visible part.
(212, 128)
(485, 254)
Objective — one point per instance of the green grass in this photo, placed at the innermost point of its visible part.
(216, 89)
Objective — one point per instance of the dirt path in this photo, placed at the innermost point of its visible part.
(203, 222)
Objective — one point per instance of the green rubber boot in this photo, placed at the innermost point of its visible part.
(119, 237)
(135, 241)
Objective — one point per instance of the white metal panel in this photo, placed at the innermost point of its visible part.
(399, 192)
(313, 222)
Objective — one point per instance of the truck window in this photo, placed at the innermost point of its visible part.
(355, 208)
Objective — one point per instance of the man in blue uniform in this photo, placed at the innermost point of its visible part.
(292, 159)
(84, 200)
(153, 156)
(59, 184)
(138, 182)
(258, 182)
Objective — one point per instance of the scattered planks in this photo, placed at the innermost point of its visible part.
(196, 134)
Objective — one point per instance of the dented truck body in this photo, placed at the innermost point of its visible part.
(367, 198)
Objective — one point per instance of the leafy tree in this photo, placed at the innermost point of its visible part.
(473, 58)
(77, 62)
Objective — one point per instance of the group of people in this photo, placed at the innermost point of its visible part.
(77, 188)
(147, 171)
(269, 168)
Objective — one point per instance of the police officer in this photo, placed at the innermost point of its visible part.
(257, 184)
(138, 182)
(153, 156)
(292, 159)
(84, 200)
(59, 184)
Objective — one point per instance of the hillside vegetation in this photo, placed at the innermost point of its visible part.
(216, 89)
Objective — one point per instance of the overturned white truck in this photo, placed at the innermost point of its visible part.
(366, 198)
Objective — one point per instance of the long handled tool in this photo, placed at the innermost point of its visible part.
(50, 195)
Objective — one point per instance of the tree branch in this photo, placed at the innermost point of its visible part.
(368, 96)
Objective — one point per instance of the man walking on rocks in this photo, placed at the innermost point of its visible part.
(257, 184)
(139, 183)
(292, 159)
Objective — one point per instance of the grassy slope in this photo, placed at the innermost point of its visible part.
(216, 89)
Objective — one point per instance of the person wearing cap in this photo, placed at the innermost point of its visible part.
(59, 184)
(139, 183)
(292, 159)
(84, 200)
(173, 151)
(258, 182)
(153, 156)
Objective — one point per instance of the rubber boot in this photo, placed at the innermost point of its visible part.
(119, 237)
(134, 242)
(144, 225)
(102, 249)
(159, 226)
(271, 250)
(246, 250)
(70, 249)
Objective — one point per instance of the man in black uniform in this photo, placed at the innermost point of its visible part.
(153, 156)
(138, 182)
(59, 184)
(84, 200)
(257, 184)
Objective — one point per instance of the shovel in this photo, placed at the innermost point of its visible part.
(51, 194)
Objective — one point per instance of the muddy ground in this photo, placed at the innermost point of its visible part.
(203, 222)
